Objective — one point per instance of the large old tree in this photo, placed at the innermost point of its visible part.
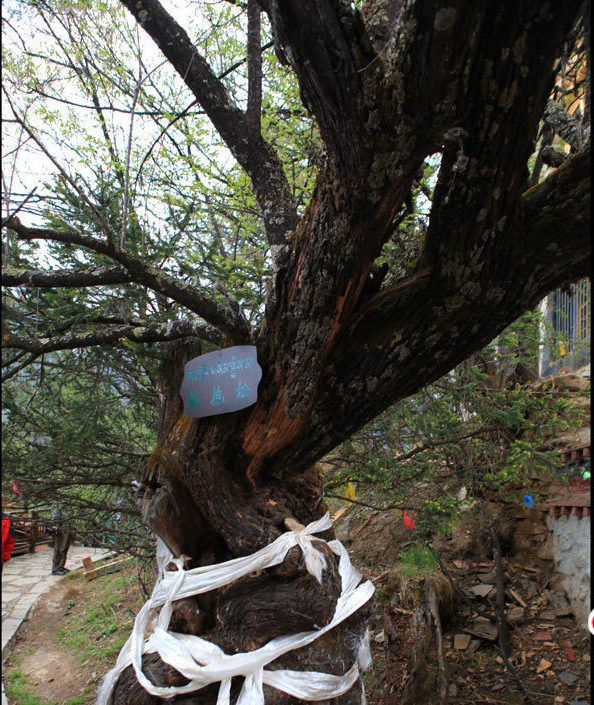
(341, 338)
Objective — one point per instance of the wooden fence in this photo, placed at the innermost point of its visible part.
(29, 532)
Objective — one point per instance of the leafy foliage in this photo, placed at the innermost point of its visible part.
(481, 426)
(77, 429)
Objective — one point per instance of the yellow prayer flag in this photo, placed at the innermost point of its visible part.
(350, 490)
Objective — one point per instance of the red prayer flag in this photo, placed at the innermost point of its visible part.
(409, 523)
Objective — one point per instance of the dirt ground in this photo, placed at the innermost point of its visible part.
(71, 639)
(549, 653)
(55, 673)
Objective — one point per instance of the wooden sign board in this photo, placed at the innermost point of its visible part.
(220, 382)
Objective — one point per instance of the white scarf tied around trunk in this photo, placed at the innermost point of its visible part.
(203, 663)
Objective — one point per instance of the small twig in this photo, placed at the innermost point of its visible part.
(506, 660)
(363, 525)
(380, 577)
(100, 219)
(186, 110)
(502, 626)
(11, 215)
(366, 504)
(516, 675)
(18, 368)
(440, 442)
(443, 674)
(239, 63)
(106, 229)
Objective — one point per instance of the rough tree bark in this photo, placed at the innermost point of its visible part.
(337, 346)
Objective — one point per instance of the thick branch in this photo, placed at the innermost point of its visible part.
(254, 105)
(557, 216)
(12, 276)
(552, 157)
(71, 237)
(329, 50)
(412, 334)
(352, 213)
(255, 156)
(483, 169)
(159, 332)
(230, 322)
(564, 124)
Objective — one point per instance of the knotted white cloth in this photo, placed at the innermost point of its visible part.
(203, 663)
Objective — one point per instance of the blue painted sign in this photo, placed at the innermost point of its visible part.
(220, 382)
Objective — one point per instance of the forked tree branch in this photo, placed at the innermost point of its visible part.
(333, 59)
(156, 333)
(230, 322)
(424, 327)
(555, 217)
(480, 174)
(256, 157)
(11, 276)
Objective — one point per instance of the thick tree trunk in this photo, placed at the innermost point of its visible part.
(223, 486)
(198, 498)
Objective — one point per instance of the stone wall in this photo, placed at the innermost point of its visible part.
(571, 553)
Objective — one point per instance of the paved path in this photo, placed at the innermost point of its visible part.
(25, 579)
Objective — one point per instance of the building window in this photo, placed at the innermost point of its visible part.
(565, 333)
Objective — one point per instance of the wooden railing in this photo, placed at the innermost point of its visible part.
(29, 532)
